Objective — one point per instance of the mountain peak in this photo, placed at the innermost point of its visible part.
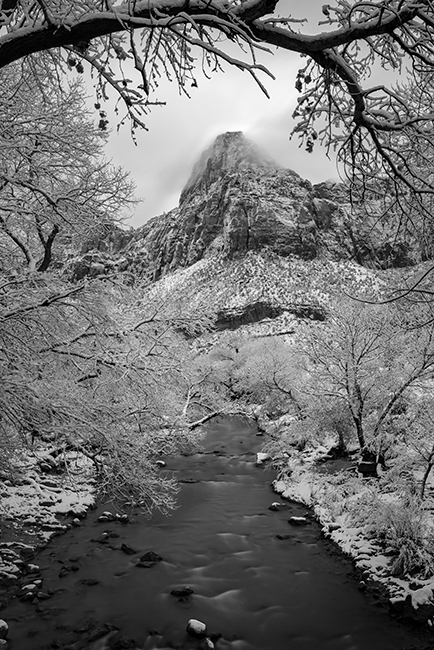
(231, 152)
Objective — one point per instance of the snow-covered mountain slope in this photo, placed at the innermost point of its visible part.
(250, 240)
(263, 286)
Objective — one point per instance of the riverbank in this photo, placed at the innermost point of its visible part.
(346, 505)
(44, 497)
(256, 580)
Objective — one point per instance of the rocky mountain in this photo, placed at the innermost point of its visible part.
(236, 200)
(250, 241)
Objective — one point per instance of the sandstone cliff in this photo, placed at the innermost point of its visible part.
(251, 242)
(238, 200)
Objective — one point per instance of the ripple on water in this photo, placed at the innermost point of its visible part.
(234, 540)
(259, 592)
(227, 600)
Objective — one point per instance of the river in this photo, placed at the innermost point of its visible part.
(258, 591)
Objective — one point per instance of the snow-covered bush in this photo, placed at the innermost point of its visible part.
(400, 525)
(336, 492)
(403, 526)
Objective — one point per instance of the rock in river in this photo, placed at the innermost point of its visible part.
(277, 505)
(149, 560)
(298, 521)
(182, 592)
(129, 550)
(196, 628)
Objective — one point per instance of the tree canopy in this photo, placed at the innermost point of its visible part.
(380, 124)
(56, 188)
(89, 367)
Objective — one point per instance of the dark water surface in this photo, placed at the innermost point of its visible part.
(259, 592)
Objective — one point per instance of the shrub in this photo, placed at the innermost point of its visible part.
(403, 527)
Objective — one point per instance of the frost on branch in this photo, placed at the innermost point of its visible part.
(350, 97)
(130, 47)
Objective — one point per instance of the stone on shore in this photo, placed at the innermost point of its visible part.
(276, 506)
(106, 516)
(261, 458)
(4, 629)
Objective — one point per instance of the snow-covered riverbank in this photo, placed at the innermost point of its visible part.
(335, 498)
(44, 498)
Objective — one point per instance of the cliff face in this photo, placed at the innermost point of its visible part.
(249, 243)
(236, 200)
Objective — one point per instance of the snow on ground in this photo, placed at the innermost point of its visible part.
(31, 507)
(305, 485)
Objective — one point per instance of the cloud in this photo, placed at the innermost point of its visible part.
(231, 101)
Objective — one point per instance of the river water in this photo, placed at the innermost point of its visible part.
(258, 591)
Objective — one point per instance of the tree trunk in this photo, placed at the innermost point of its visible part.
(360, 433)
(48, 247)
(425, 478)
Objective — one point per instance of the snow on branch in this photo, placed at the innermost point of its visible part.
(382, 133)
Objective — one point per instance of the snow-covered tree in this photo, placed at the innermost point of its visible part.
(365, 359)
(56, 188)
(92, 366)
(84, 368)
(419, 437)
(380, 123)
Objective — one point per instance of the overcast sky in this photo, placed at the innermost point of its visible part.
(162, 161)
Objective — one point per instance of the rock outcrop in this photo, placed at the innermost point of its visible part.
(237, 200)
(252, 244)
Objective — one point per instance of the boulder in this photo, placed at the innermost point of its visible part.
(4, 629)
(367, 468)
(149, 560)
(128, 550)
(261, 458)
(124, 642)
(151, 556)
(32, 568)
(196, 628)
(43, 595)
(106, 516)
(182, 592)
(276, 506)
(298, 521)
(64, 572)
(206, 644)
